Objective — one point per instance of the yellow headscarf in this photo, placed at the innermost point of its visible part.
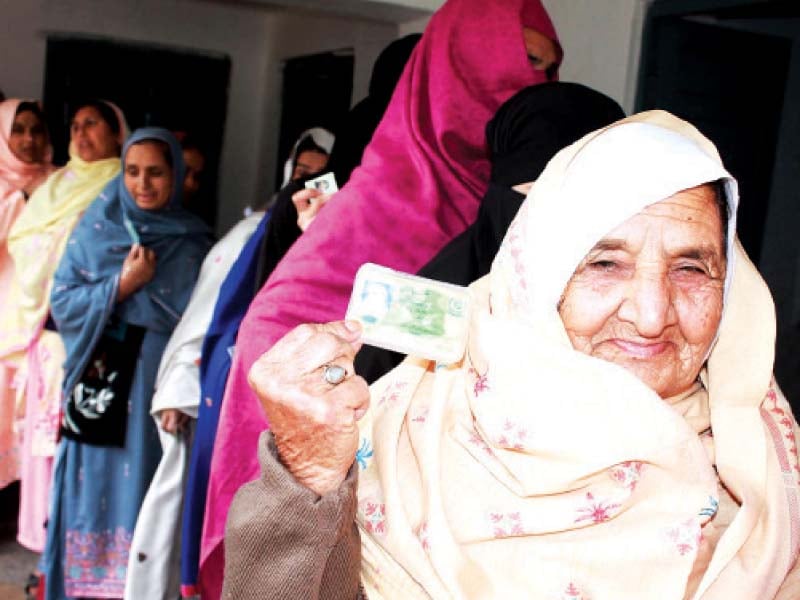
(38, 237)
(531, 469)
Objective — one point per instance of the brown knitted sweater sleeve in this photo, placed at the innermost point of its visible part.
(284, 541)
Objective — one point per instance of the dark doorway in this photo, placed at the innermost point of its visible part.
(178, 89)
(317, 91)
(732, 68)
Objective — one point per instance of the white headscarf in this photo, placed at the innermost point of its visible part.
(321, 137)
(531, 468)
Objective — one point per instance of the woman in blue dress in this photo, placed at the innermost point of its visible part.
(119, 291)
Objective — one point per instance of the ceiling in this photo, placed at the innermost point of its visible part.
(390, 11)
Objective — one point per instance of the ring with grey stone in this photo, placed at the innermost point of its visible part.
(334, 374)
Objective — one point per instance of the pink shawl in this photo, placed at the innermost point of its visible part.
(15, 176)
(418, 186)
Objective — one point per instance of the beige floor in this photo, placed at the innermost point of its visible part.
(16, 563)
(11, 592)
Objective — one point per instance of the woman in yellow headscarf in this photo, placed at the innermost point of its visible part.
(612, 431)
(36, 243)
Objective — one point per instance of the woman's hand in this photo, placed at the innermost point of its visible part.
(173, 420)
(308, 203)
(315, 423)
(138, 268)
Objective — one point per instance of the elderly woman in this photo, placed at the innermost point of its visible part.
(36, 243)
(612, 431)
(125, 279)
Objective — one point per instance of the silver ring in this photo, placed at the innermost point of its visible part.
(334, 374)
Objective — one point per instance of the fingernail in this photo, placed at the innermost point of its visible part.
(352, 326)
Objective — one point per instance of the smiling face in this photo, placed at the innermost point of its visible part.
(648, 296)
(148, 175)
(92, 136)
(28, 138)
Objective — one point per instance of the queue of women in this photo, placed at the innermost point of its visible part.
(613, 429)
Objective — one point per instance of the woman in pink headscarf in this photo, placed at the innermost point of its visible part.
(25, 162)
(418, 186)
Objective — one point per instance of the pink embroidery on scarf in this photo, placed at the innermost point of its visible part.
(686, 536)
(783, 417)
(392, 393)
(516, 240)
(572, 592)
(512, 436)
(627, 474)
(422, 415)
(505, 525)
(596, 511)
(423, 536)
(481, 382)
(374, 516)
(476, 440)
(776, 415)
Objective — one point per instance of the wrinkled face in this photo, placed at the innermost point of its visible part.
(148, 176)
(195, 163)
(92, 136)
(648, 296)
(542, 51)
(28, 138)
(308, 163)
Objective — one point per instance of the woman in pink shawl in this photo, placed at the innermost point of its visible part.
(25, 162)
(418, 186)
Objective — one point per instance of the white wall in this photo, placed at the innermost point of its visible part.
(601, 44)
(256, 39)
(600, 40)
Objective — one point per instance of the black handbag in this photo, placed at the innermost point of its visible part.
(96, 411)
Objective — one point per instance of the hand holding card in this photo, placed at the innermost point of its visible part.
(310, 200)
(410, 314)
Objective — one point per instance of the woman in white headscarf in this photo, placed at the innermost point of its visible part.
(612, 431)
(309, 154)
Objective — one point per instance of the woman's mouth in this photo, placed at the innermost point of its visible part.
(641, 349)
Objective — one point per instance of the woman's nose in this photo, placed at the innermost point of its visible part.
(648, 304)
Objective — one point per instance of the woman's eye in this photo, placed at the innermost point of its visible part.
(693, 269)
(602, 265)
